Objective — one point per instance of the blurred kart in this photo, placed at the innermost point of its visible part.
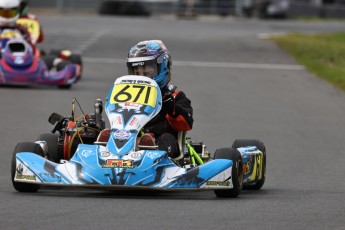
(21, 63)
(278, 9)
(81, 153)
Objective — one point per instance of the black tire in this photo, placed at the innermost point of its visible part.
(55, 52)
(260, 145)
(52, 141)
(49, 60)
(237, 172)
(25, 147)
(75, 59)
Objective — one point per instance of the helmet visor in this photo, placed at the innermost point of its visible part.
(143, 68)
(9, 13)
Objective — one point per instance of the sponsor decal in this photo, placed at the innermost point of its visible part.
(19, 60)
(133, 121)
(86, 153)
(116, 163)
(136, 82)
(135, 155)
(26, 177)
(133, 105)
(138, 64)
(21, 176)
(143, 82)
(104, 154)
(115, 119)
(152, 155)
(218, 183)
(122, 134)
(118, 120)
(129, 106)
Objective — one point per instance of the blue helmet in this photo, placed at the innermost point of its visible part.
(151, 59)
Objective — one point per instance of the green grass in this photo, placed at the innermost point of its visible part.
(317, 19)
(322, 54)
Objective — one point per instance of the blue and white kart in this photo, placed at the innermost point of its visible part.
(120, 164)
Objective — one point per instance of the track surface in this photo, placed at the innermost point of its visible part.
(299, 117)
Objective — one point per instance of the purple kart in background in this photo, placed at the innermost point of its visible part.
(21, 64)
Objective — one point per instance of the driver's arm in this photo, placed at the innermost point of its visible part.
(180, 114)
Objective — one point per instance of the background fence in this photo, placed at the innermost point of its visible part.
(250, 8)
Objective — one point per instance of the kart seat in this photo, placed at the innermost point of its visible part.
(103, 137)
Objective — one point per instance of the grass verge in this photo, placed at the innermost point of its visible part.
(322, 54)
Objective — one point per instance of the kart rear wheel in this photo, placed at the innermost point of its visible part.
(237, 172)
(52, 142)
(24, 147)
(260, 145)
(75, 59)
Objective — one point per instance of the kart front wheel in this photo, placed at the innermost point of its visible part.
(236, 174)
(24, 147)
(260, 145)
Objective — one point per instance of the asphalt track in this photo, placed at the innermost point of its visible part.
(241, 86)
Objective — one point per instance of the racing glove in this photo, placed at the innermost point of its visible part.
(169, 106)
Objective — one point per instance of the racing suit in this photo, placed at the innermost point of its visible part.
(34, 17)
(176, 115)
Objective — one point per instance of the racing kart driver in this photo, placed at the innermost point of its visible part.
(24, 13)
(152, 59)
(9, 13)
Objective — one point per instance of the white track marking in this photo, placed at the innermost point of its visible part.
(85, 45)
(206, 64)
(269, 35)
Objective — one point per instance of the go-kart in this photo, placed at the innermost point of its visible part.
(82, 153)
(21, 63)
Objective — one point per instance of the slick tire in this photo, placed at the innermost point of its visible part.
(75, 59)
(237, 172)
(25, 147)
(260, 145)
(53, 150)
